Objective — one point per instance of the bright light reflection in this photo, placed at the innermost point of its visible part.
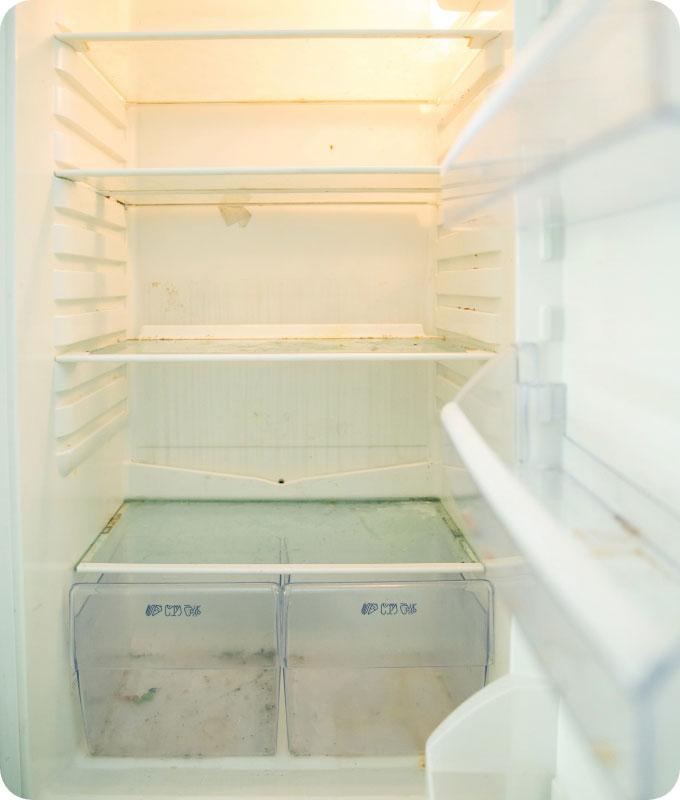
(441, 17)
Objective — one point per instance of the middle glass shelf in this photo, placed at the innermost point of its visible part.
(225, 343)
(225, 350)
(222, 537)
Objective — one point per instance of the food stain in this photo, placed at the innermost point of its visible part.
(138, 699)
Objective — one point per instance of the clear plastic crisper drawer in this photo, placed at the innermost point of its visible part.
(372, 669)
(177, 670)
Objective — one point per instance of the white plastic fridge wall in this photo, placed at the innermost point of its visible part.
(349, 259)
(294, 264)
(10, 562)
(54, 515)
(289, 264)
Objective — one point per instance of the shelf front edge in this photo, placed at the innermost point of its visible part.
(277, 569)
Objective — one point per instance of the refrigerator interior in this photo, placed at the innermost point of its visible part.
(306, 274)
(233, 285)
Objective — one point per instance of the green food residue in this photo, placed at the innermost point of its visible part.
(146, 697)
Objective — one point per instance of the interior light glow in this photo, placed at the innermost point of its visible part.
(441, 17)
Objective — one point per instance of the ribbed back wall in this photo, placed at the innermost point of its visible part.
(90, 256)
(474, 291)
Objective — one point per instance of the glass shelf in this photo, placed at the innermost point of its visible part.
(215, 185)
(273, 538)
(267, 350)
(334, 64)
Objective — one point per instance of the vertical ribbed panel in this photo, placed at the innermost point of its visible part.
(77, 201)
(90, 254)
(474, 257)
(469, 90)
(472, 281)
(77, 113)
(78, 73)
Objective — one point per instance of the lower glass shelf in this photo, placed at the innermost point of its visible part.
(192, 537)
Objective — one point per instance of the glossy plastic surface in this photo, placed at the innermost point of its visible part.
(597, 87)
(371, 669)
(177, 670)
(596, 596)
(516, 718)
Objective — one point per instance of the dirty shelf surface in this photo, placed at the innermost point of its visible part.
(189, 185)
(277, 537)
(307, 349)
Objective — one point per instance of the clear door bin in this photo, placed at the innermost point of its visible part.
(177, 670)
(372, 669)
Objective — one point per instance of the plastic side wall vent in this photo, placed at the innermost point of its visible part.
(498, 745)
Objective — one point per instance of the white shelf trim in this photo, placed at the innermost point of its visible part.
(277, 569)
(121, 356)
(112, 358)
(188, 185)
(153, 172)
(399, 330)
(79, 40)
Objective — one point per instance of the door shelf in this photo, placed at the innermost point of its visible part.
(167, 351)
(272, 538)
(590, 114)
(215, 185)
(364, 64)
(590, 566)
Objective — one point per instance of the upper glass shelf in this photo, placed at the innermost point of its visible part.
(260, 65)
(590, 112)
(215, 185)
(274, 538)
